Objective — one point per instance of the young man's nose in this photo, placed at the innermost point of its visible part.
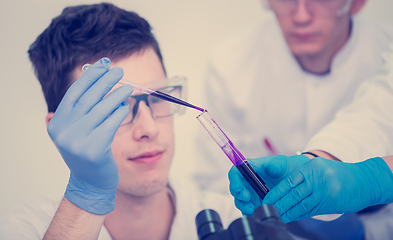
(144, 123)
(302, 13)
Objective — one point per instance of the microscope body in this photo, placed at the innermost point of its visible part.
(265, 224)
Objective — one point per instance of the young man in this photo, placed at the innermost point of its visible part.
(118, 147)
(273, 86)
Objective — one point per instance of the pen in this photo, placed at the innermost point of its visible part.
(268, 144)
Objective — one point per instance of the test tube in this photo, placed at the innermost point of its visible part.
(233, 154)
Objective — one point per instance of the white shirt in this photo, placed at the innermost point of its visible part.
(255, 89)
(30, 221)
(364, 129)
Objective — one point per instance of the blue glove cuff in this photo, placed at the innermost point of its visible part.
(381, 178)
(90, 200)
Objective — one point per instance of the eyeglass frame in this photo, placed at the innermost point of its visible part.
(339, 12)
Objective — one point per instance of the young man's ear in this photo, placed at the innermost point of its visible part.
(356, 6)
(49, 117)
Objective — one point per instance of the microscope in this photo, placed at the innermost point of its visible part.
(265, 224)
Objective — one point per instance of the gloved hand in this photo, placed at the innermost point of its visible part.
(83, 128)
(323, 186)
(271, 169)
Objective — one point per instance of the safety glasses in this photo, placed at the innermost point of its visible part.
(325, 8)
(176, 87)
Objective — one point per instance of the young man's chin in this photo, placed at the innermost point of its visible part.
(302, 50)
(145, 188)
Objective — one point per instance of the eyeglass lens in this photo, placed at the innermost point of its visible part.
(158, 107)
(318, 7)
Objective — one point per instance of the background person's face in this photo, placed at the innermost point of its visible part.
(309, 32)
(144, 148)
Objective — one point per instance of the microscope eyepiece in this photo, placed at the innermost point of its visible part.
(208, 222)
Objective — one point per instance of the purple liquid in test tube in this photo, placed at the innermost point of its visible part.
(233, 154)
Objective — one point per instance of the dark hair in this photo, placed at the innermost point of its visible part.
(84, 34)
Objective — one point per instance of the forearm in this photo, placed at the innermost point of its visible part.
(72, 222)
(389, 161)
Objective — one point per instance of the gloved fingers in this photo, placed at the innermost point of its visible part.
(98, 141)
(238, 185)
(236, 180)
(246, 208)
(92, 96)
(259, 165)
(243, 195)
(106, 107)
(80, 134)
(294, 196)
(88, 78)
(282, 166)
(107, 130)
(66, 114)
(283, 188)
(79, 142)
(303, 209)
(277, 168)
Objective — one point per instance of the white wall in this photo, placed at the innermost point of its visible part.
(30, 166)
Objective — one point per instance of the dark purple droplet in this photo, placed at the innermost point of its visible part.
(200, 109)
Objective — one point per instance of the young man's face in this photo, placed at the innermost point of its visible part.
(312, 27)
(144, 148)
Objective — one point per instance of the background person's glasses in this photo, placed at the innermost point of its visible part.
(175, 87)
(325, 8)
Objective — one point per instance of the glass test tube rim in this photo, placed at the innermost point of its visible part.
(212, 128)
(221, 138)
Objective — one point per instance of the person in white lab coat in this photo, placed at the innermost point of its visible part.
(274, 85)
(117, 146)
(345, 173)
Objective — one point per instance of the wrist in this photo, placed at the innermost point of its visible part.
(380, 180)
(70, 220)
(90, 200)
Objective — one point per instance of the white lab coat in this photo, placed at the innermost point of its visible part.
(363, 129)
(256, 90)
(30, 220)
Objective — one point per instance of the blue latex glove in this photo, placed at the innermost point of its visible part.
(271, 169)
(323, 186)
(83, 128)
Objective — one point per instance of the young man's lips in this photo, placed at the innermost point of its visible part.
(147, 157)
(304, 36)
